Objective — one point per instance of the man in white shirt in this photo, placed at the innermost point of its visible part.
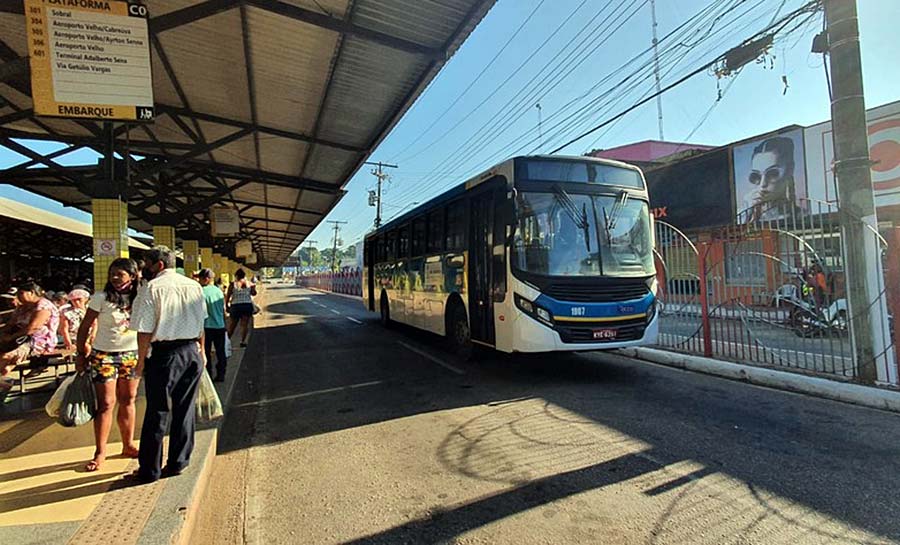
(168, 316)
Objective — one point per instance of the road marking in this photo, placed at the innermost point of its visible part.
(436, 360)
(354, 320)
(334, 311)
(266, 401)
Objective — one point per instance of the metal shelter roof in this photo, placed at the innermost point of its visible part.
(33, 232)
(268, 106)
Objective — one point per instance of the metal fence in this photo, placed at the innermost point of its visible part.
(347, 282)
(771, 290)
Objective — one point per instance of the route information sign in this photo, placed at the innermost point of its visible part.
(90, 59)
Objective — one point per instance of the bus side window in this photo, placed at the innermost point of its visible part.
(455, 225)
(403, 250)
(435, 232)
(418, 237)
(391, 246)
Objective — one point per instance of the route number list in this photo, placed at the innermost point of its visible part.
(90, 59)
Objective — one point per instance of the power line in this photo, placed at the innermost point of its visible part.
(528, 92)
(502, 84)
(477, 141)
(472, 83)
(708, 65)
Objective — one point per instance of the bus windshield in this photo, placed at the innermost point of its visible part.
(572, 234)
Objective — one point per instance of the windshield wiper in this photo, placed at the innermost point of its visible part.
(617, 208)
(571, 209)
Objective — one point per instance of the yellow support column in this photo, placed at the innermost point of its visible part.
(206, 259)
(110, 230)
(191, 257)
(164, 235)
(221, 268)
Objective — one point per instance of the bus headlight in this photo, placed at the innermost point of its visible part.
(543, 314)
(535, 311)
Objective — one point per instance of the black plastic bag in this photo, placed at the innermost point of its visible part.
(79, 403)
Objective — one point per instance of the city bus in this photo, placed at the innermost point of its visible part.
(537, 254)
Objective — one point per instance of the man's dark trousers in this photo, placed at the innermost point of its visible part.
(216, 337)
(172, 371)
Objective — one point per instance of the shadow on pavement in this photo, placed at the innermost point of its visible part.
(445, 525)
(816, 457)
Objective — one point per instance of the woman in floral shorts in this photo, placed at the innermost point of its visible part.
(112, 359)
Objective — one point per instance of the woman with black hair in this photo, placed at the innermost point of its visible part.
(112, 360)
(31, 332)
(239, 302)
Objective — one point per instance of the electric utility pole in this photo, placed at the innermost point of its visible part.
(309, 251)
(659, 113)
(857, 202)
(375, 198)
(337, 229)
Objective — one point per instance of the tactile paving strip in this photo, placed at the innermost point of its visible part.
(121, 515)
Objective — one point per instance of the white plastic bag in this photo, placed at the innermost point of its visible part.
(227, 346)
(208, 405)
(56, 400)
(79, 402)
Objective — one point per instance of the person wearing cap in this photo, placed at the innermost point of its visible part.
(71, 316)
(214, 326)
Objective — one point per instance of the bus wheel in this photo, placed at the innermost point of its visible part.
(385, 311)
(458, 333)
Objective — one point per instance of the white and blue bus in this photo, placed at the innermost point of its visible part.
(537, 254)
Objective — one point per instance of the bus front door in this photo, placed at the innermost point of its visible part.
(481, 304)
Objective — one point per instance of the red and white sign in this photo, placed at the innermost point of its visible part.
(105, 247)
(884, 151)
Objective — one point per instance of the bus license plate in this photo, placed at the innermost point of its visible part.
(605, 334)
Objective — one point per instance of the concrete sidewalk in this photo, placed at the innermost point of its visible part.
(46, 497)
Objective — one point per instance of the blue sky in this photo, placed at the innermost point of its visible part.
(460, 141)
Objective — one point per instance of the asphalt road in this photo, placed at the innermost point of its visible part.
(343, 432)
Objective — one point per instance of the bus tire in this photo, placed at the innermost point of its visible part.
(385, 310)
(459, 336)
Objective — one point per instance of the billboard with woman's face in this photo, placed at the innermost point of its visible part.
(769, 177)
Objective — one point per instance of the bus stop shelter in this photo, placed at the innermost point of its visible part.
(267, 107)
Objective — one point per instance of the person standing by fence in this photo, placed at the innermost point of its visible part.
(168, 316)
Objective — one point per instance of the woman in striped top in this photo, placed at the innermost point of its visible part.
(239, 302)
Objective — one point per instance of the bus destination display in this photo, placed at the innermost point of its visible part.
(90, 59)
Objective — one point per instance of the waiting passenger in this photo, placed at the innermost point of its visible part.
(239, 302)
(113, 358)
(32, 331)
